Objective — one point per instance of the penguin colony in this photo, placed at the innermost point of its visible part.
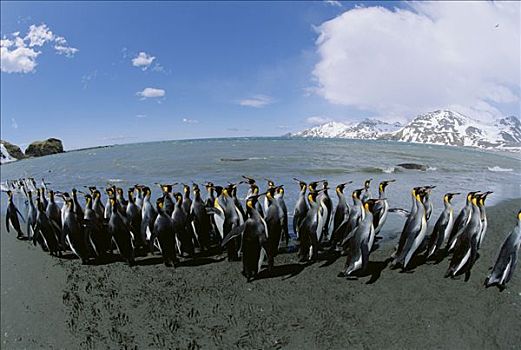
(176, 225)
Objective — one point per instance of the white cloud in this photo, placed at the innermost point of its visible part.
(88, 78)
(190, 121)
(39, 35)
(14, 124)
(141, 116)
(143, 60)
(333, 3)
(18, 55)
(431, 55)
(318, 120)
(257, 101)
(65, 50)
(19, 60)
(151, 93)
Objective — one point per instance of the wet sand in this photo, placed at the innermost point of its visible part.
(206, 303)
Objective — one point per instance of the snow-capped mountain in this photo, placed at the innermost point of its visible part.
(327, 130)
(441, 127)
(368, 129)
(452, 128)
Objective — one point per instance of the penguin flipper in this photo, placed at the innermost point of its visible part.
(365, 255)
(400, 211)
(7, 221)
(236, 232)
(512, 268)
(36, 234)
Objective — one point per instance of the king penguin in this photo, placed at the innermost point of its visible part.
(414, 233)
(442, 228)
(163, 235)
(381, 208)
(506, 261)
(358, 249)
(341, 213)
(120, 233)
(254, 234)
(466, 248)
(11, 216)
(461, 222)
(301, 208)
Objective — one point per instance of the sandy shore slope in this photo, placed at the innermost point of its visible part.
(206, 303)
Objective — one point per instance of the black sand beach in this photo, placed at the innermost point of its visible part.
(206, 303)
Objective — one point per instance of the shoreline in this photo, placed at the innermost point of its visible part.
(514, 154)
(206, 302)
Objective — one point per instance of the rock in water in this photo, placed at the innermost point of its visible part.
(413, 166)
(44, 148)
(13, 150)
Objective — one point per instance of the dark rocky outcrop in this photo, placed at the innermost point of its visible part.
(413, 166)
(44, 148)
(14, 150)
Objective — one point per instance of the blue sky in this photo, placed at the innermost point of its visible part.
(225, 68)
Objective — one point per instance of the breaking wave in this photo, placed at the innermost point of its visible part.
(499, 169)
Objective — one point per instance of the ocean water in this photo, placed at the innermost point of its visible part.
(280, 159)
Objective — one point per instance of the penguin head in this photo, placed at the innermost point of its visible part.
(340, 187)
(254, 189)
(9, 195)
(218, 190)
(130, 193)
(159, 204)
(110, 191)
(301, 184)
(30, 194)
(519, 215)
(470, 195)
(186, 188)
(357, 193)
(195, 187)
(384, 184)
(138, 188)
(482, 196)
(313, 186)
(448, 197)
(96, 194)
(249, 180)
(166, 188)
(367, 183)
(88, 198)
(312, 197)
(51, 194)
(370, 203)
(270, 193)
(280, 190)
(119, 191)
(179, 197)
(270, 183)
